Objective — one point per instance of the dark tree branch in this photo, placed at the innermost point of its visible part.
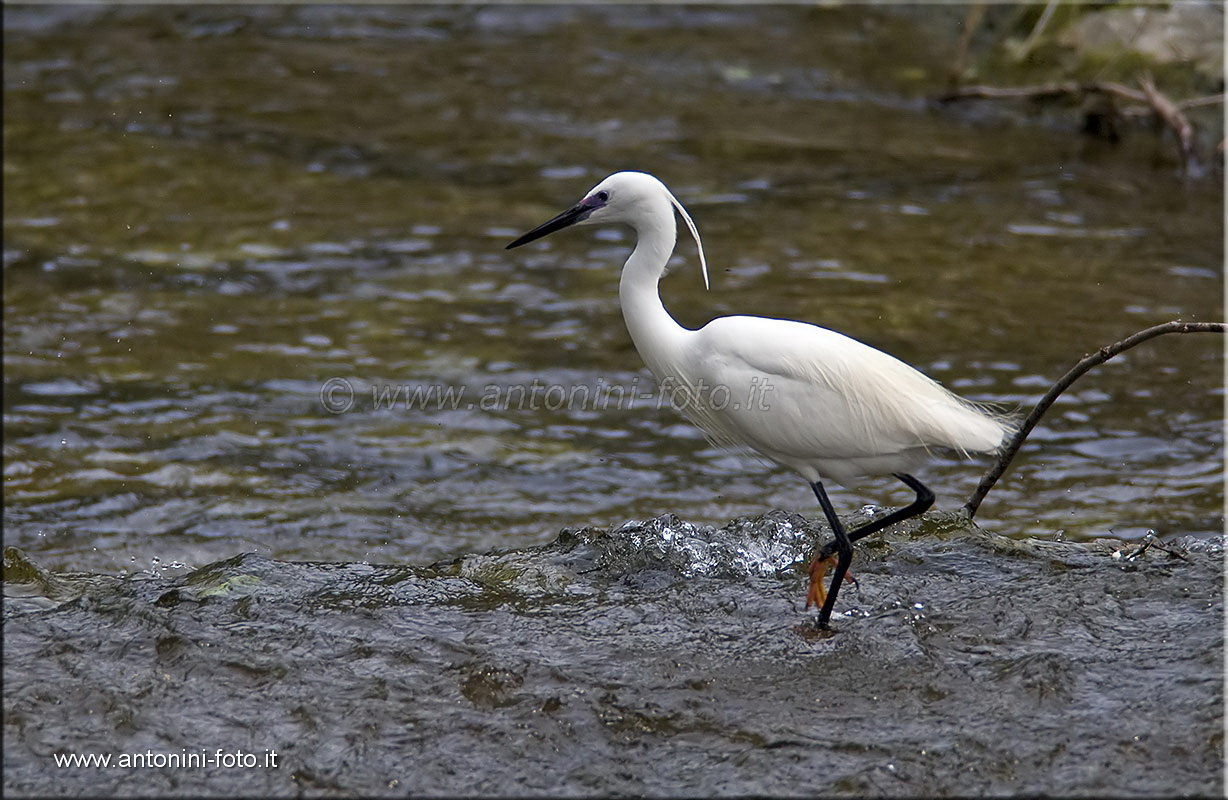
(1068, 88)
(1170, 113)
(1167, 111)
(1059, 89)
(972, 21)
(1198, 102)
(1007, 453)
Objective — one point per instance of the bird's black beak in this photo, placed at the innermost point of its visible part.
(577, 213)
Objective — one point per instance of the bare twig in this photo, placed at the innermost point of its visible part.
(1040, 26)
(1060, 88)
(1164, 109)
(1099, 357)
(1056, 89)
(972, 21)
(1198, 102)
(1172, 553)
(1149, 542)
(1168, 111)
(1137, 553)
(1184, 105)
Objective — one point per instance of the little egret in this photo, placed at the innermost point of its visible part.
(811, 399)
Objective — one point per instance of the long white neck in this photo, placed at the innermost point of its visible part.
(657, 336)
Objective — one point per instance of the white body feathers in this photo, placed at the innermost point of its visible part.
(816, 401)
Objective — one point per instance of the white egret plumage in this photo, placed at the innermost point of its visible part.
(816, 401)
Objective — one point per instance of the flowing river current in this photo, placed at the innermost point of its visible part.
(278, 479)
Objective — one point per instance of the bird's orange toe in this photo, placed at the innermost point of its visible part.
(817, 595)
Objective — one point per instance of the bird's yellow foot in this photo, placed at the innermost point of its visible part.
(817, 595)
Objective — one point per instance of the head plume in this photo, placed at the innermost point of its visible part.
(703, 263)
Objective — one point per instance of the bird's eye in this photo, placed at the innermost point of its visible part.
(603, 196)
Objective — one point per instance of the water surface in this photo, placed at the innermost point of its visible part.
(211, 212)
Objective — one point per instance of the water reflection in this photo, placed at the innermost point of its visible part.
(199, 238)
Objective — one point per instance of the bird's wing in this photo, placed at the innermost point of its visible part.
(823, 394)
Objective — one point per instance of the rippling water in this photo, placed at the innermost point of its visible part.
(639, 660)
(213, 214)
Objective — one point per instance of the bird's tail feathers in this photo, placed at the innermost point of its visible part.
(992, 427)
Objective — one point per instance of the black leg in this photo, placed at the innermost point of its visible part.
(925, 499)
(842, 545)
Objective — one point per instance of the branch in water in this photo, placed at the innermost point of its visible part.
(1007, 453)
(1172, 116)
(1170, 112)
(1058, 89)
